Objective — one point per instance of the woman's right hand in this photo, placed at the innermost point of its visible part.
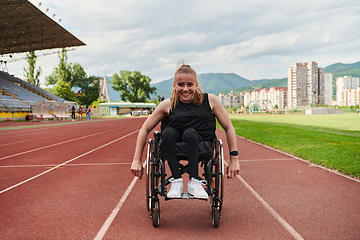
(137, 168)
(161, 111)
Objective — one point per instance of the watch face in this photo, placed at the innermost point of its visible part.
(234, 153)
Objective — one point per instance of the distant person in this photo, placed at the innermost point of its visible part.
(80, 113)
(88, 113)
(73, 113)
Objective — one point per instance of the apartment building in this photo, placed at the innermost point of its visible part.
(255, 95)
(267, 98)
(247, 99)
(231, 100)
(350, 97)
(347, 91)
(303, 84)
(278, 96)
(325, 88)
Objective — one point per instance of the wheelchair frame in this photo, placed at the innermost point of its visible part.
(156, 183)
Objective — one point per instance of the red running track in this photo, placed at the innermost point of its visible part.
(72, 181)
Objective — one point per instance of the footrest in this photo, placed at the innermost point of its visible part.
(185, 195)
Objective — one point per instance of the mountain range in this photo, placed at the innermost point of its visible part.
(341, 69)
(227, 82)
(211, 83)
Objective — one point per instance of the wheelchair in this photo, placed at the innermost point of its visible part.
(211, 159)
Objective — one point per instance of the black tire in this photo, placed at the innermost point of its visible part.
(216, 182)
(154, 179)
(221, 185)
(148, 177)
(155, 214)
(221, 177)
(216, 216)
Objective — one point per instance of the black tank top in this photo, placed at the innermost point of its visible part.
(190, 115)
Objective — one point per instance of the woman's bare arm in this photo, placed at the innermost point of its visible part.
(224, 120)
(159, 114)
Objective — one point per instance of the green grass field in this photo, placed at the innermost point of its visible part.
(331, 140)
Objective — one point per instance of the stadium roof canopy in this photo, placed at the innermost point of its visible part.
(24, 28)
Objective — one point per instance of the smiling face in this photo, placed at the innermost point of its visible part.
(185, 86)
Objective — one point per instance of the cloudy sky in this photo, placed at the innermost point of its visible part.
(255, 39)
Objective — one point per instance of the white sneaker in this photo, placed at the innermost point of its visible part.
(176, 188)
(196, 189)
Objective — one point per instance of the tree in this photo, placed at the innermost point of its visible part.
(78, 75)
(89, 90)
(67, 78)
(31, 75)
(62, 72)
(63, 90)
(134, 86)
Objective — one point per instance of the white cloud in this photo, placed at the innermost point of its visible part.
(255, 39)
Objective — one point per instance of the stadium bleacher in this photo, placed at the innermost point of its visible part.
(37, 91)
(17, 95)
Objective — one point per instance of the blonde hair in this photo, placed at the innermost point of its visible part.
(198, 96)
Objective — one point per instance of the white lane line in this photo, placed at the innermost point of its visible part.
(49, 134)
(77, 164)
(116, 210)
(264, 160)
(62, 164)
(52, 145)
(287, 226)
(28, 140)
(15, 131)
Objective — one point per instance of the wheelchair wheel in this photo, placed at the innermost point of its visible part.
(216, 216)
(154, 203)
(155, 173)
(216, 176)
(221, 174)
(155, 214)
(148, 196)
(148, 186)
(217, 184)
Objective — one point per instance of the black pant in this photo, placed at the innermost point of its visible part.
(169, 137)
(73, 115)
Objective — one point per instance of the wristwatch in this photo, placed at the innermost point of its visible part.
(233, 153)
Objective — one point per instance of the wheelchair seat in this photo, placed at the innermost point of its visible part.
(204, 149)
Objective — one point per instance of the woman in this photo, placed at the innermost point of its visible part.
(191, 119)
(73, 113)
(88, 113)
(80, 113)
